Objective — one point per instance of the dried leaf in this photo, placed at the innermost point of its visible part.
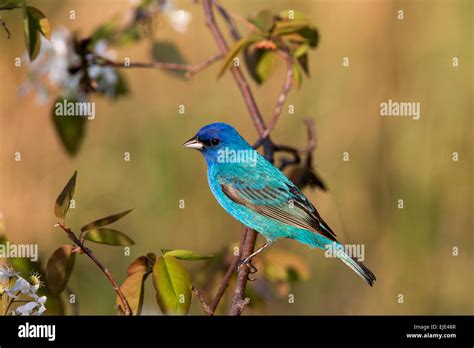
(133, 290)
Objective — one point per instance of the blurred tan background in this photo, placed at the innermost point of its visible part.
(409, 250)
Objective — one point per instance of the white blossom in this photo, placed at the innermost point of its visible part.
(35, 306)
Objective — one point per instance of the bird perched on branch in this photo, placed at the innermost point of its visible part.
(260, 196)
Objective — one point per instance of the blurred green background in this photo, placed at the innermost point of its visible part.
(410, 250)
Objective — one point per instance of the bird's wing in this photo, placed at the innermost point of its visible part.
(278, 200)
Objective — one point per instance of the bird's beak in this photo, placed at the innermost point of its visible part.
(194, 143)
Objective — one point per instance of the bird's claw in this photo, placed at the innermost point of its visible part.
(248, 263)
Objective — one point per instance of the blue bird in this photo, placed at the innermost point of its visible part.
(260, 196)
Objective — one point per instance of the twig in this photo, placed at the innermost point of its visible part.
(283, 94)
(242, 277)
(230, 271)
(234, 32)
(235, 70)
(240, 306)
(4, 25)
(71, 235)
(228, 15)
(190, 70)
(10, 302)
(204, 305)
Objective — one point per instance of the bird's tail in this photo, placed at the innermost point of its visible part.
(357, 266)
(336, 249)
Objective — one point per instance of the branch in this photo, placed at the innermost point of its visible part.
(204, 305)
(4, 25)
(283, 94)
(235, 70)
(234, 32)
(242, 276)
(190, 70)
(71, 235)
(230, 271)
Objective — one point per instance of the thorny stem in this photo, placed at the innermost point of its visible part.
(71, 235)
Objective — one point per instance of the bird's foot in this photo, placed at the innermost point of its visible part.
(248, 263)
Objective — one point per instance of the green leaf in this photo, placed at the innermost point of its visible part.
(32, 33)
(235, 50)
(106, 31)
(301, 29)
(303, 62)
(71, 129)
(296, 76)
(263, 20)
(168, 52)
(128, 36)
(108, 236)
(64, 199)
(121, 87)
(310, 33)
(173, 285)
(266, 65)
(301, 50)
(133, 290)
(41, 21)
(187, 255)
(104, 221)
(59, 268)
(260, 63)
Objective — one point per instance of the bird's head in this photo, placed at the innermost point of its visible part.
(214, 138)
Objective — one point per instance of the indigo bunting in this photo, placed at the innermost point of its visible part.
(260, 196)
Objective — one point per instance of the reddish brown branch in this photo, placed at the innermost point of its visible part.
(235, 70)
(283, 93)
(242, 276)
(230, 271)
(72, 236)
(204, 305)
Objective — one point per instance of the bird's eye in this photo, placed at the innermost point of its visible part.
(215, 142)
